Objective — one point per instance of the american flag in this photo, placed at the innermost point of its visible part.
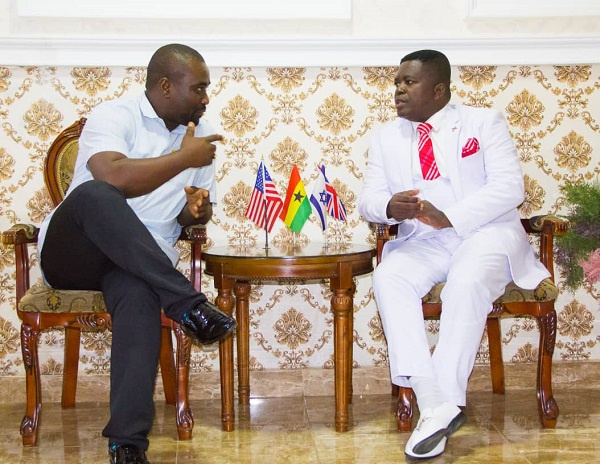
(264, 195)
(335, 207)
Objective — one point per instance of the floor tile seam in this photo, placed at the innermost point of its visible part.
(310, 426)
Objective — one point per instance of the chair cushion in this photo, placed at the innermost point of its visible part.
(44, 299)
(545, 291)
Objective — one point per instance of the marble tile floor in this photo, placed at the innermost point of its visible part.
(298, 430)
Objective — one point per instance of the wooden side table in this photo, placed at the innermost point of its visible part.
(235, 268)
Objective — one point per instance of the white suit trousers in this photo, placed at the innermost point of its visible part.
(475, 276)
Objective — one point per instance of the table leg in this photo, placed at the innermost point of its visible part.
(242, 315)
(225, 302)
(341, 306)
(351, 341)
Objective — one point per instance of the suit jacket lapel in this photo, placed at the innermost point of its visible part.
(452, 131)
(403, 160)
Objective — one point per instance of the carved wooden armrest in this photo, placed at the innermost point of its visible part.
(548, 224)
(196, 233)
(384, 231)
(547, 227)
(20, 234)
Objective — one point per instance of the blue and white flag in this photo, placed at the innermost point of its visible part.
(319, 197)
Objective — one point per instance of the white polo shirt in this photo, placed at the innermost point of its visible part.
(131, 126)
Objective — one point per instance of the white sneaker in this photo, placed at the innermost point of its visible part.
(434, 427)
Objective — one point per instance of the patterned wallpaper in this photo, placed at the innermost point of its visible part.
(304, 116)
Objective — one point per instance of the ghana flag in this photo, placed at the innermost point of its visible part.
(296, 207)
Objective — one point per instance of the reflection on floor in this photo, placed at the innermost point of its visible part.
(300, 430)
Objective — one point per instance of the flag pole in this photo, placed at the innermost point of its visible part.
(266, 225)
(318, 165)
(264, 178)
(326, 219)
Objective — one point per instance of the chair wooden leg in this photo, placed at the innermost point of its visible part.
(71, 366)
(33, 410)
(395, 390)
(167, 365)
(495, 349)
(404, 413)
(547, 406)
(185, 418)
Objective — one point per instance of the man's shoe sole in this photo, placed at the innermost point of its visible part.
(427, 445)
(439, 449)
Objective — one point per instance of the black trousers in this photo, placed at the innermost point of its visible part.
(96, 242)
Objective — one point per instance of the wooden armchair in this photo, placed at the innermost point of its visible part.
(41, 307)
(515, 301)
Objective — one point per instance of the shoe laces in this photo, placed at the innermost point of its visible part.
(131, 455)
(422, 421)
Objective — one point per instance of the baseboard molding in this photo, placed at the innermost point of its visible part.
(308, 382)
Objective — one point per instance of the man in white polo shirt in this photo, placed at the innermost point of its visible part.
(144, 170)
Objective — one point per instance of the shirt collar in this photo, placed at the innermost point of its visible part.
(146, 107)
(149, 112)
(436, 120)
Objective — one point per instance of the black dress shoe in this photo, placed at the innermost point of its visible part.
(127, 454)
(207, 323)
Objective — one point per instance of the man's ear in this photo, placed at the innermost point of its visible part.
(440, 90)
(165, 86)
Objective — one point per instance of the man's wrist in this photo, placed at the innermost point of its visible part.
(445, 221)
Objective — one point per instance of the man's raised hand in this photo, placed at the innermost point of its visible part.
(201, 150)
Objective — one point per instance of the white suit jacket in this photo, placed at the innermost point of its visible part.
(488, 184)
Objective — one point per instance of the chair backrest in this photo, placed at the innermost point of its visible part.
(60, 161)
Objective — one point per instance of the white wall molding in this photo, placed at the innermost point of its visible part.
(305, 52)
(178, 9)
(531, 8)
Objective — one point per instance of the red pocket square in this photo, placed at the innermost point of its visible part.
(472, 146)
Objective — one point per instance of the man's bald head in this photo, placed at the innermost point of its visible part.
(170, 61)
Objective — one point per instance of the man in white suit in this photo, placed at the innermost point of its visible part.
(458, 223)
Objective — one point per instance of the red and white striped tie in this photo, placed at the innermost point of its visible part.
(428, 166)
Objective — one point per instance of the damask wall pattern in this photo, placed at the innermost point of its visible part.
(304, 116)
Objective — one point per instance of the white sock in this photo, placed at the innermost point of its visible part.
(427, 392)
